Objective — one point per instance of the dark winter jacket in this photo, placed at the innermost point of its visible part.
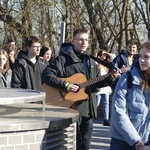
(122, 59)
(68, 63)
(27, 75)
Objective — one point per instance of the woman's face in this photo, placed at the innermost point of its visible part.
(11, 54)
(144, 59)
(3, 60)
(47, 56)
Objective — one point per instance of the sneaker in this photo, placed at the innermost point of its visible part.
(106, 123)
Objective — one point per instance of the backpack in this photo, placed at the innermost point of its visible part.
(129, 80)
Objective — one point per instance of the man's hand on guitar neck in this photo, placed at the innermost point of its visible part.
(73, 88)
(116, 74)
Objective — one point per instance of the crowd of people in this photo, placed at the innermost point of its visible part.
(23, 69)
(130, 111)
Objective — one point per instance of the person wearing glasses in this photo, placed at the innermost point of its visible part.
(74, 58)
(28, 66)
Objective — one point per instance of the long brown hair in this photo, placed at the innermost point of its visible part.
(12, 48)
(6, 66)
(143, 75)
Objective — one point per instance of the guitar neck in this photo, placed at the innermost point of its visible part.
(93, 81)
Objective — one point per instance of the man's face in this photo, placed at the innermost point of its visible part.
(81, 42)
(132, 49)
(34, 49)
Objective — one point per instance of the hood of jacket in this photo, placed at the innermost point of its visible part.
(68, 49)
(22, 55)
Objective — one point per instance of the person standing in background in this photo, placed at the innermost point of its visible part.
(126, 58)
(104, 92)
(12, 52)
(28, 66)
(5, 71)
(46, 53)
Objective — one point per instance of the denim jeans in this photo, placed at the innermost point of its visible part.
(105, 101)
(116, 144)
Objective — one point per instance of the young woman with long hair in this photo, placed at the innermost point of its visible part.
(5, 71)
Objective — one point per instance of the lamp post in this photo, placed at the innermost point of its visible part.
(62, 35)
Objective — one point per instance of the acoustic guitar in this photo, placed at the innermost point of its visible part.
(58, 97)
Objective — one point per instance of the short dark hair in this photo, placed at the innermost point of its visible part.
(80, 30)
(30, 40)
(133, 41)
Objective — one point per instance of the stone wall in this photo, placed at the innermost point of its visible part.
(39, 139)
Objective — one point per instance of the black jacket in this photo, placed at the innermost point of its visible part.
(68, 63)
(27, 75)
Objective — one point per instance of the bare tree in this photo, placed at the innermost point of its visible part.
(111, 23)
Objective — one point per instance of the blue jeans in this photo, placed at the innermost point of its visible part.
(116, 144)
(105, 100)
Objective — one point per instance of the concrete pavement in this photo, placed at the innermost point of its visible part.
(100, 136)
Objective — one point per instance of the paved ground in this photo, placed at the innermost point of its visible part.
(101, 136)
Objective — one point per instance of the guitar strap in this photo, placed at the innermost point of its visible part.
(87, 74)
(104, 63)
